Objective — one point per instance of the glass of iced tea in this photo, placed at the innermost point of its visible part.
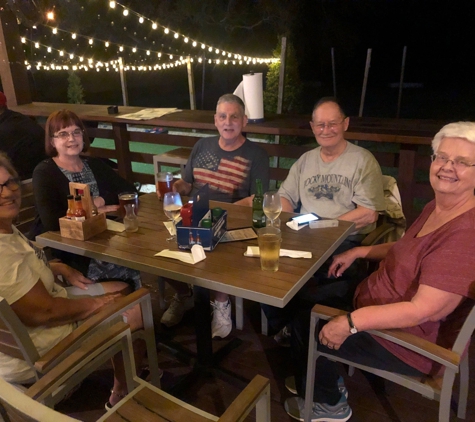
(269, 239)
(128, 198)
(164, 183)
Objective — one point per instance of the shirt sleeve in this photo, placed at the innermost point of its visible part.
(289, 189)
(368, 191)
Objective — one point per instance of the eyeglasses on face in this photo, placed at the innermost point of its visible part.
(320, 127)
(459, 163)
(64, 136)
(12, 184)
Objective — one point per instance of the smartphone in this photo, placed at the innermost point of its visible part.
(305, 218)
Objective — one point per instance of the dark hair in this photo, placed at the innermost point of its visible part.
(334, 100)
(6, 163)
(231, 98)
(59, 120)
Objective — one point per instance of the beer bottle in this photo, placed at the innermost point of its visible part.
(79, 212)
(258, 216)
(70, 211)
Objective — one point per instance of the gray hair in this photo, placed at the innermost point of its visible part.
(231, 98)
(464, 130)
(6, 163)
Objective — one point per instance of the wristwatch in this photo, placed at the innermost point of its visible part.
(353, 329)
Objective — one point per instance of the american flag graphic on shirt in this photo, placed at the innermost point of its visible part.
(224, 175)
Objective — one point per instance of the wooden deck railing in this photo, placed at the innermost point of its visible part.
(406, 160)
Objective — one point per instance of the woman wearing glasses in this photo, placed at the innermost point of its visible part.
(424, 285)
(65, 140)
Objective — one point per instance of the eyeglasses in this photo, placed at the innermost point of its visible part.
(320, 127)
(64, 136)
(459, 164)
(12, 184)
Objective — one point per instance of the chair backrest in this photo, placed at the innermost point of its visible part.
(15, 406)
(14, 338)
(27, 213)
(465, 334)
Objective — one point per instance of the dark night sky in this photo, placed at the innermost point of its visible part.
(439, 36)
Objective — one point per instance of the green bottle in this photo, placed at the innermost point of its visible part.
(258, 216)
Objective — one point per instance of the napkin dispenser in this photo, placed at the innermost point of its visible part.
(82, 230)
(207, 237)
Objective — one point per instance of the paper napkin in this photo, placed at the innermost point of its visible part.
(254, 251)
(115, 226)
(197, 254)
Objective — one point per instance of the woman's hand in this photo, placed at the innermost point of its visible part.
(101, 206)
(342, 261)
(333, 334)
(69, 274)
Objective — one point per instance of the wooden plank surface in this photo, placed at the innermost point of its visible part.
(225, 269)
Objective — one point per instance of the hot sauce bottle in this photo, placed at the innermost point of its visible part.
(70, 211)
(79, 212)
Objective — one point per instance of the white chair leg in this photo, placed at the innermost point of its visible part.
(312, 356)
(263, 407)
(463, 392)
(239, 313)
(264, 324)
(446, 395)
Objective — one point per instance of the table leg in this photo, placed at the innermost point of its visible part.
(204, 344)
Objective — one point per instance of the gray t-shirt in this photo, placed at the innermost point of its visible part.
(231, 175)
(333, 189)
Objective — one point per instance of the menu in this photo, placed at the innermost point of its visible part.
(239, 234)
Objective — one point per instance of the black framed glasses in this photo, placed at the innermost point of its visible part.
(12, 184)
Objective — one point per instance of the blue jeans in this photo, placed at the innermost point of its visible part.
(320, 289)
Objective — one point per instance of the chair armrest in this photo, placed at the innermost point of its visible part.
(378, 233)
(74, 339)
(409, 341)
(88, 351)
(246, 401)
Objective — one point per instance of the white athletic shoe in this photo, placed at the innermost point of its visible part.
(221, 325)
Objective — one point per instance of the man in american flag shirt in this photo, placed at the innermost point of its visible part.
(230, 164)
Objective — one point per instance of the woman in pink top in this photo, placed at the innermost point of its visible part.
(424, 284)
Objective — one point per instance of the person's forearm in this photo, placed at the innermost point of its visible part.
(360, 216)
(374, 252)
(286, 205)
(63, 311)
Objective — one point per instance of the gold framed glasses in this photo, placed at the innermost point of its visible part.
(64, 136)
(320, 127)
(458, 163)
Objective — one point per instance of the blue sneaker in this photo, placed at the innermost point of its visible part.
(290, 385)
(321, 412)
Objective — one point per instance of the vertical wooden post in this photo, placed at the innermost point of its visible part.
(365, 81)
(12, 59)
(123, 82)
(121, 141)
(406, 180)
(333, 71)
(401, 81)
(191, 83)
(280, 94)
(203, 84)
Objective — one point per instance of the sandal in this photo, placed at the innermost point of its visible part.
(108, 406)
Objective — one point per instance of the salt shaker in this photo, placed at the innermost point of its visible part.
(131, 221)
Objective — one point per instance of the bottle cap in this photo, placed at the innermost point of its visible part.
(77, 198)
(70, 197)
(206, 222)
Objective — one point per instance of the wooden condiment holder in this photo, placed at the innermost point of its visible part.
(83, 230)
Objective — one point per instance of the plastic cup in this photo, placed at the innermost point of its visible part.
(269, 239)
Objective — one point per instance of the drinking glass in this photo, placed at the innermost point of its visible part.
(164, 183)
(272, 206)
(172, 206)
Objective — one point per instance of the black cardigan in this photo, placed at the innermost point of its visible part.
(51, 187)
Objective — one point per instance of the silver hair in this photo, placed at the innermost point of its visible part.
(231, 98)
(464, 130)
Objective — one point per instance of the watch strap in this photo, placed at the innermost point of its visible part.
(353, 329)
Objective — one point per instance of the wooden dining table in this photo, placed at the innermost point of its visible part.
(225, 269)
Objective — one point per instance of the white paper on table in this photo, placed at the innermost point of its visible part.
(253, 251)
(170, 227)
(295, 226)
(115, 226)
(148, 113)
(197, 255)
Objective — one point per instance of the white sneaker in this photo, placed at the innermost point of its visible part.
(221, 325)
(178, 306)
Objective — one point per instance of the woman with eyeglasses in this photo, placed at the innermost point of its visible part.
(65, 141)
(424, 285)
(29, 283)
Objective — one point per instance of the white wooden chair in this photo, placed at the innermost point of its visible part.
(454, 360)
(16, 342)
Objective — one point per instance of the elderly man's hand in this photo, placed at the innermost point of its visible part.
(333, 334)
(69, 274)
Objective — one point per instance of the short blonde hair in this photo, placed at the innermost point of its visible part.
(464, 130)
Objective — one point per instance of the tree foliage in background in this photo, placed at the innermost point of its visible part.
(75, 89)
